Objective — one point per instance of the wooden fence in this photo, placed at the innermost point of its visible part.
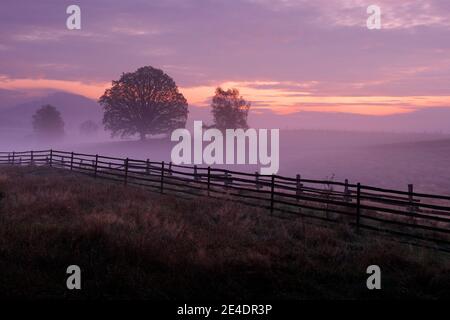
(425, 218)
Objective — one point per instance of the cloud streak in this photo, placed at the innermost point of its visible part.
(286, 55)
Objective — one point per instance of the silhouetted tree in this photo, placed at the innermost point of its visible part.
(88, 128)
(47, 122)
(146, 101)
(229, 109)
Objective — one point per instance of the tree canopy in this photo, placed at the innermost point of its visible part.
(48, 123)
(229, 109)
(143, 102)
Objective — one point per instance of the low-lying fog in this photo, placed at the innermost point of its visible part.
(380, 159)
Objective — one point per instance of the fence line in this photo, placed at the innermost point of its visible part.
(423, 217)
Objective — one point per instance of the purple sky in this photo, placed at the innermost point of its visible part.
(286, 55)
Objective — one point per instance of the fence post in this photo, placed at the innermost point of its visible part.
(410, 196)
(227, 181)
(14, 158)
(126, 172)
(299, 186)
(358, 205)
(411, 199)
(9, 158)
(195, 173)
(162, 177)
(51, 157)
(347, 197)
(257, 180)
(209, 180)
(170, 168)
(96, 166)
(272, 190)
(32, 157)
(147, 169)
(71, 161)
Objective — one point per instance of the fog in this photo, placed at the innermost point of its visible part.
(381, 159)
(379, 151)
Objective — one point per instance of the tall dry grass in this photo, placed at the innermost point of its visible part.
(133, 244)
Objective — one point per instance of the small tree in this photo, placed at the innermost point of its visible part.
(48, 123)
(143, 102)
(89, 128)
(229, 109)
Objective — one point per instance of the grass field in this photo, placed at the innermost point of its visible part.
(133, 244)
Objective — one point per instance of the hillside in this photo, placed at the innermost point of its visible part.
(74, 109)
(131, 243)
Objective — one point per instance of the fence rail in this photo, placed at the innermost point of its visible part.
(408, 214)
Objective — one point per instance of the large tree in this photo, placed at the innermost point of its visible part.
(229, 109)
(48, 123)
(143, 102)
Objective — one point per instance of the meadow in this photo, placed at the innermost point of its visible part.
(134, 244)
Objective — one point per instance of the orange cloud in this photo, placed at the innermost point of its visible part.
(285, 101)
(264, 94)
(91, 90)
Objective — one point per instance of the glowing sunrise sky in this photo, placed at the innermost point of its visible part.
(283, 55)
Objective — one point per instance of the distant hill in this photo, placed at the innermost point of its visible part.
(74, 109)
(10, 98)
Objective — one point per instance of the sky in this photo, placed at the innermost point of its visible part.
(283, 55)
